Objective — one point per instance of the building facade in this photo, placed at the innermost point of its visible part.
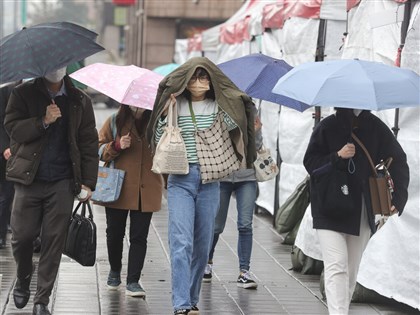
(154, 25)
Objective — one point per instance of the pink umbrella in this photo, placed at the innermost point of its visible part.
(130, 85)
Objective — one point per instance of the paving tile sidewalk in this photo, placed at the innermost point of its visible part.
(82, 290)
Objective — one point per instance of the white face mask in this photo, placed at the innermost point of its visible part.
(56, 76)
(357, 112)
(198, 89)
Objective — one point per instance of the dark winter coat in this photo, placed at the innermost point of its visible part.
(231, 100)
(5, 91)
(23, 122)
(329, 137)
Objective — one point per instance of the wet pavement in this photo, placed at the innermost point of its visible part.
(82, 290)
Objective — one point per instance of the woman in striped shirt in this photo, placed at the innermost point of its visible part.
(192, 205)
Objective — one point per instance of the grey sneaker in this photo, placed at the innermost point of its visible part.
(135, 289)
(245, 281)
(114, 280)
(208, 273)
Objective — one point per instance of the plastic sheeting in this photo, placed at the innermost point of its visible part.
(210, 37)
(270, 115)
(411, 53)
(391, 261)
(241, 29)
(181, 52)
(333, 10)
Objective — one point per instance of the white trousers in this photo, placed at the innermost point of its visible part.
(341, 254)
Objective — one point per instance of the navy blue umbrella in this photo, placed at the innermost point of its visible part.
(35, 51)
(257, 74)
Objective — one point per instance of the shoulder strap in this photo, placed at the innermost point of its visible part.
(366, 152)
(114, 133)
(114, 125)
(192, 114)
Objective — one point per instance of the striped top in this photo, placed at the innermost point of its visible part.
(205, 113)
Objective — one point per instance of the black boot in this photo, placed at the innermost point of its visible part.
(40, 309)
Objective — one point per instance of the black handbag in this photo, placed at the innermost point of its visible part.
(81, 236)
(330, 191)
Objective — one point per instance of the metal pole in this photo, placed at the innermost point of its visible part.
(277, 183)
(320, 54)
(404, 29)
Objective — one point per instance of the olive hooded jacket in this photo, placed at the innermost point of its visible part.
(230, 99)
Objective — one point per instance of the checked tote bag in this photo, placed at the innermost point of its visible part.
(171, 154)
(110, 179)
(215, 150)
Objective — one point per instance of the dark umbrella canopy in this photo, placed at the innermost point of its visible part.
(69, 26)
(256, 75)
(40, 49)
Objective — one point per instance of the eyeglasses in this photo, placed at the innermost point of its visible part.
(202, 79)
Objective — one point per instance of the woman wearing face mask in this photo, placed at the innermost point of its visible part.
(204, 90)
(344, 236)
(140, 196)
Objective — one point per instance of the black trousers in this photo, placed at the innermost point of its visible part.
(116, 220)
(47, 205)
(6, 198)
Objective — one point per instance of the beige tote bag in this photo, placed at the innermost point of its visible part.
(171, 155)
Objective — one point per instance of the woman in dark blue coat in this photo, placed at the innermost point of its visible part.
(344, 235)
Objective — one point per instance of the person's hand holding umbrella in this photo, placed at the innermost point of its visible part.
(7, 154)
(347, 151)
(125, 141)
(52, 114)
(257, 123)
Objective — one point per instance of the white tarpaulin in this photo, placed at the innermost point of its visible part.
(391, 262)
(210, 37)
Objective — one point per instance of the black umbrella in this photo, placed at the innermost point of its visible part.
(35, 51)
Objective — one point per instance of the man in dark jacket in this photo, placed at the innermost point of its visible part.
(6, 187)
(54, 146)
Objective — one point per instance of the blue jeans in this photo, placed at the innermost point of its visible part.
(246, 193)
(192, 209)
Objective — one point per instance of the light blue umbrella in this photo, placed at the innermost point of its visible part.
(166, 69)
(354, 83)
